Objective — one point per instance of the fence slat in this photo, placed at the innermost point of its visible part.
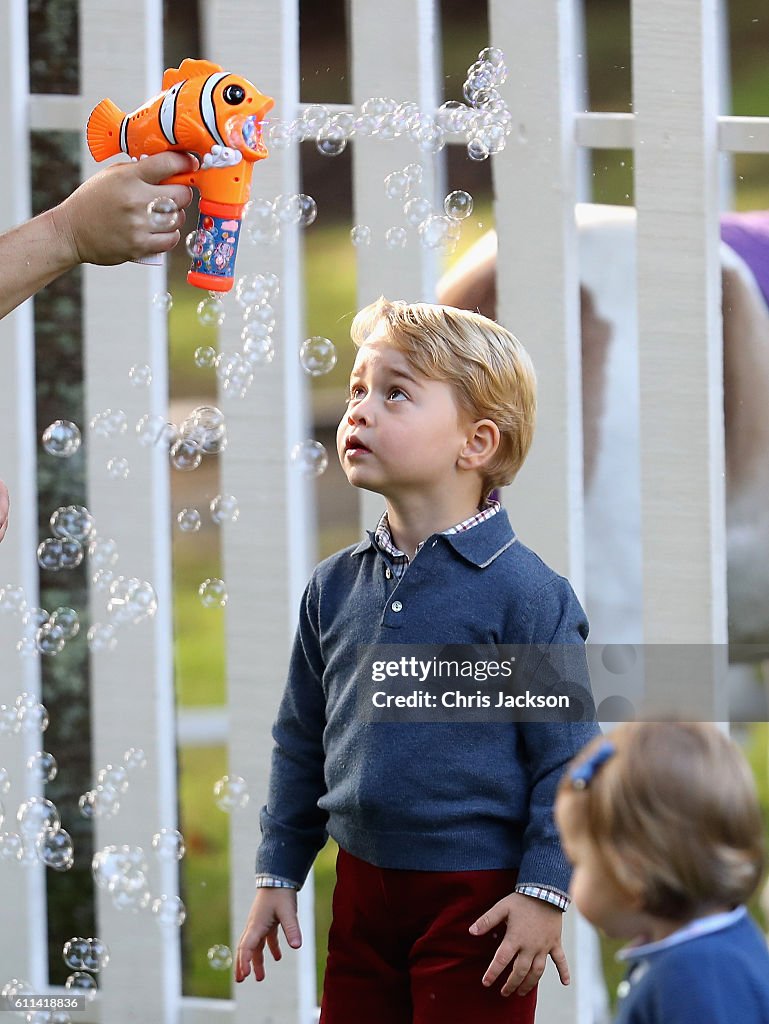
(131, 688)
(267, 555)
(22, 891)
(675, 85)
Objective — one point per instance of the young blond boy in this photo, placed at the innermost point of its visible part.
(450, 871)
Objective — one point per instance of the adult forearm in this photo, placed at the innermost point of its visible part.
(31, 256)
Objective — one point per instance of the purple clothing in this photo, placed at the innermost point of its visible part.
(748, 235)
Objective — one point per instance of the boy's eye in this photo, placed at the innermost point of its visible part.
(354, 392)
(396, 391)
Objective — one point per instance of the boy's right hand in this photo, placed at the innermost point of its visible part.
(271, 907)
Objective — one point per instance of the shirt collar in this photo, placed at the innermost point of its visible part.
(479, 547)
(693, 930)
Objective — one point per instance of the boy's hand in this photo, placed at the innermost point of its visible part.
(271, 907)
(532, 932)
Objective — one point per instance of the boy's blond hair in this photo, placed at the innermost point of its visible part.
(490, 371)
(674, 816)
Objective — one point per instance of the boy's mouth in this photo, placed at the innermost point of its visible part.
(353, 445)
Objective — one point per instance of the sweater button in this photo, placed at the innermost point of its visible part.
(396, 606)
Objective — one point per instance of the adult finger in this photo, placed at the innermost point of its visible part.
(155, 169)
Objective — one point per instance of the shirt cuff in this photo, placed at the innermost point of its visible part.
(275, 882)
(544, 892)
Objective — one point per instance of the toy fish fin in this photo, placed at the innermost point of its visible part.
(189, 68)
(190, 133)
(103, 130)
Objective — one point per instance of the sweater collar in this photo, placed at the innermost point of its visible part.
(693, 930)
(479, 546)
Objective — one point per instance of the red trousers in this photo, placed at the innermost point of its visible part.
(399, 949)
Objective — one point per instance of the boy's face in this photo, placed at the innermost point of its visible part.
(402, 433)
(595, 894)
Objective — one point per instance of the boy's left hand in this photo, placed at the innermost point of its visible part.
(532, 933)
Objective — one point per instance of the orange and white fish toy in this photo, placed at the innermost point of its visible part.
(216, 115)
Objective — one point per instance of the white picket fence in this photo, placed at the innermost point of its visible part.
(676, 135)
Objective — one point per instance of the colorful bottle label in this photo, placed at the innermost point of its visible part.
(214, 250)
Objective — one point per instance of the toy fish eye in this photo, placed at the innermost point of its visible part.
(234, 94)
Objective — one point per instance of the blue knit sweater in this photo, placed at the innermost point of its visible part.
(427, 796)
(717, 978)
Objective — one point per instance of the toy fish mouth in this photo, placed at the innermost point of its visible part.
(245, 134)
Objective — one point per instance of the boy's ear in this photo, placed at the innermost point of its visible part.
(480, 446)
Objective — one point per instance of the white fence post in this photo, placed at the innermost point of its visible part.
(23, 944)
(538, 299)
(675, 82)
(132, 696)
(267, 555)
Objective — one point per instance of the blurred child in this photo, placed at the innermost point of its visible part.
(662, 826)
(450, 879)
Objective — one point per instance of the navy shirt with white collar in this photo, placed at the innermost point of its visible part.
(421, 796)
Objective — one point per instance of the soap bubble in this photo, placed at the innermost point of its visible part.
(199, 244)
(32, 716)
(163, 301)
(5, 781)
(42, 766)
(231, 793)
(73, 521)
(35, 816)
(49, 554)
(257, 350)
(11, 846)
(288, 209)
(453, 115)
(74, 953)
(33, 619)
(103, 553)
(277, 134)
(220, 957)
(56, 850)
(429, 135)
(417, 209)
(112, 863)
(50, 639)
(361, 235)
(155, 429)
(118, 469)
(225, 509)
(68, 620)
(206, 426)
(131, 600)
(205, 356)
(189, 520)
(102, 580)
(12, 599)
(26, 647)
(134, 758)
(314, 117)
(309, 457)
(101, 637)
(186, 455)
(16, 987)
(213, 593)
(82, 984)
(62, 439)
(168, 844)
(263, 226)
(113, 775)
(105, 801)
(397, 185)
(263, 315)
(434, 231)
(163, 213)
(331, 140)
(458, 205)
(309, 210)
(477, 149)
(252, 291)
(140, 375)
(169, 911)
(317, 356)
(85, 804)
(211, 312)
(110, 423)
(396, 238)
(97, 956)
(9, 720)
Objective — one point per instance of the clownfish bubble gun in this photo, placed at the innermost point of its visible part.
(217, 116)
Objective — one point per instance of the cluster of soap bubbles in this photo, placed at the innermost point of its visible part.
(16, 988)
(220, 957)
(231, 793)
(123, 872)
(42, 632)
(224, 508)
(39, 838)
(26, 716)
(72, 527)
(203, 432)
(84, 957)
(112, 782)
(265, 218)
